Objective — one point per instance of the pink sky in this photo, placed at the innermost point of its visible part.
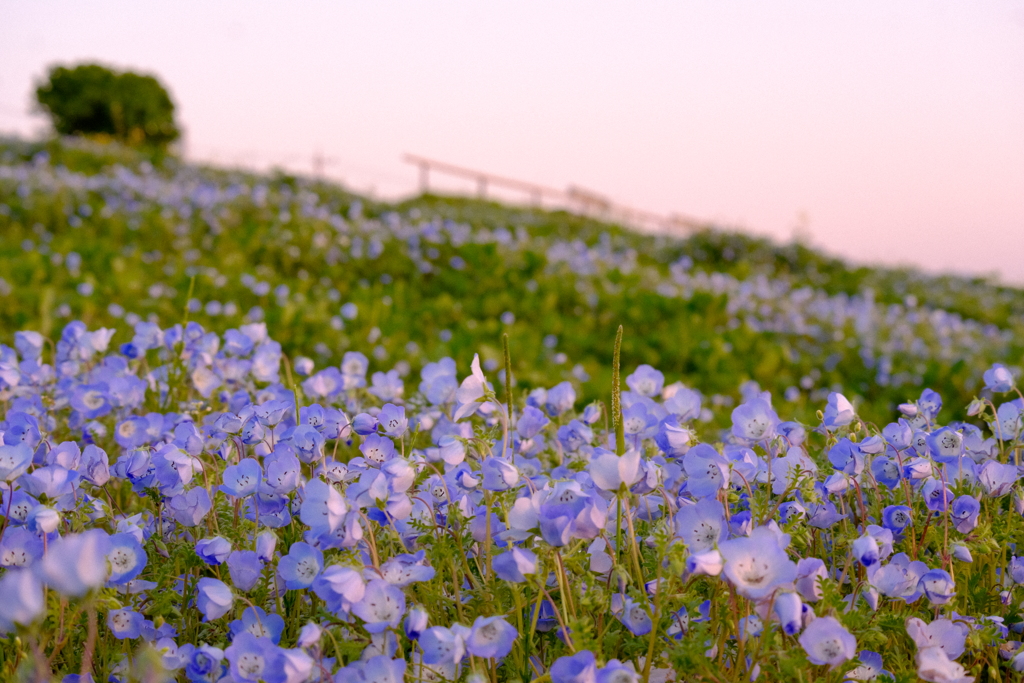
(893, 131)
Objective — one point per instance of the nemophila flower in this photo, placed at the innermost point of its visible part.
(491, 638)
(937, 585)
(886, 471)
(243, 479)
(788, 609)
(76, 563)
(249, 658)
(897, 518)
(937, 495)
(42, 520)
(245, 569)
(900, 578)
(416, 620)
(998, 378)
(828, 642)
(701, 526)
(204, 665)
(634, 615)
(378, 449)
(898, 434)
(575, 435)
(965, 512)
(997, 478)
(646, 381)
(961, 552)
(22, 599)
(672, 438)
(339, 587)
(578, 668)
(610, 471)
(14, 460)
(869, 667)
(260, 624)
(707, 471)
(838, 413)
(253, 431)
(441, 645)
(125, 623)
(392, 420)
(213, 551)
(934, 665)
(946, 445)
(381, 607)
(127, 559)
(617, 672)
(213, 598)
(378, 669)
(531, 422)
(191, 507)
(560, 399)
(755, 564)
(407, 568)
(949, 635)
(323, 508)
(865, 550)
(709, 562)
(499, 474)
(19, 547)
(754, 421)
(300, 567)
(515, 564)
(470, 392)
(307, 442)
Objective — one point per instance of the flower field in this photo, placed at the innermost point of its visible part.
(256, 428)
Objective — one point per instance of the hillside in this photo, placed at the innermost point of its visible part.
(106, 236)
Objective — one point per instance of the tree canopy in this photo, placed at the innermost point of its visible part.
(91, 99)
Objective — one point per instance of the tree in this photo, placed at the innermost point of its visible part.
(90, 99)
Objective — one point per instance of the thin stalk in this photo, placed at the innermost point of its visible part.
(620, 434)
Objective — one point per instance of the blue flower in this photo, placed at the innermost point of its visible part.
(260, 624)
(617, 672)
(323, 508)
(19, 547)
(243, 479)
(204, 666)
(191, 507)
(948, 635)
(22, 598)
(531, 422)
(515, 564)
(756, 564)
(560, 398)
(901, 578)
(610, 471)
(869, 668)
(754, 421)
(789, 610)
(946, 445)
(339, 587)
(491, 638)
(381, 607)
(998, 378)
(378, 449)
(14, 460)
(249, 657)
(245, 569)
(415, 622)
(578, 668)
(300, 567)
(865, 550)
(965, 511)
(213, 598)
(938, 586)
(701, 526)
(213, 551)
(707, 471)
(897, 518)
(405, 569)
(827, 642)
(634, 615)
(76, 563)
(125, 623)
(441, 645)
(838, 413)
(127, 559)
(392, 419)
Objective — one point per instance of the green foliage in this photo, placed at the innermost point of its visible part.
(93, 100)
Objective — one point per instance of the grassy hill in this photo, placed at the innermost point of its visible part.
(101, 234)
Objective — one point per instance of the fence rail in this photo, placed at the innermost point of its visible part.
(574, 198)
